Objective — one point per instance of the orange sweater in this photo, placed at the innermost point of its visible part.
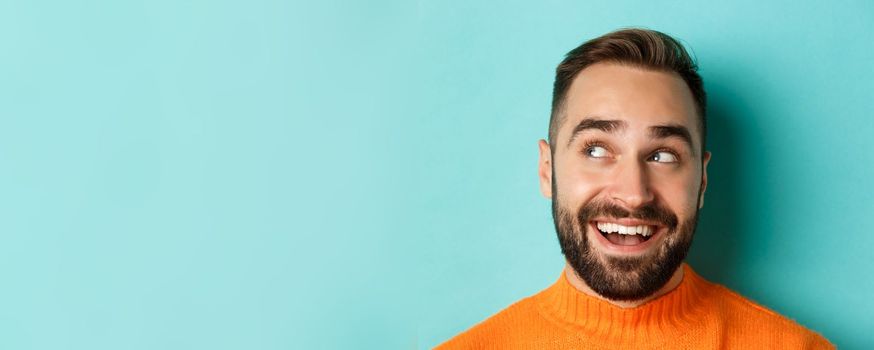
(695, 315)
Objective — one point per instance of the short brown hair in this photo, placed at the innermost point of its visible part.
(642, 48)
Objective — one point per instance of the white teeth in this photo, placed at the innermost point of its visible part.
(645, 230)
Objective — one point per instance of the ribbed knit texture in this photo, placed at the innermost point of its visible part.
(695, 315)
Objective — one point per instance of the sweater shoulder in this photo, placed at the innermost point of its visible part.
(497, 329)
(744, 307)
(747, 317)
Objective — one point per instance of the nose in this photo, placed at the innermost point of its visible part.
(631, 184)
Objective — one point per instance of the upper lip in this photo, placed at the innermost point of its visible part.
(626, 222)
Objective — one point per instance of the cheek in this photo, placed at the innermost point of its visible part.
(680, 193)
(578, 186)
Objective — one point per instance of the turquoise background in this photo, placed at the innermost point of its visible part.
(296, 175)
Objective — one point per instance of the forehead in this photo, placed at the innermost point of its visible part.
(638, 96)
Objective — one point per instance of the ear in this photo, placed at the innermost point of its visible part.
(704, 161)
(544, 168)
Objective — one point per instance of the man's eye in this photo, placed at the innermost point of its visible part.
(664, 157)
(596, 151)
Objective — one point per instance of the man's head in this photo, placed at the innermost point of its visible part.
(625, 165)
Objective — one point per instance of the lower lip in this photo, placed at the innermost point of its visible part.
(609, 247)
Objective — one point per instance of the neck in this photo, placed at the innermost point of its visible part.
(577, 282)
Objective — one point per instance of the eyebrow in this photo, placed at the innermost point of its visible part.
(672, 130)
(611, 126)
(608, 126)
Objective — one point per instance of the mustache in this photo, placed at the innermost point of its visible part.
(648, 212)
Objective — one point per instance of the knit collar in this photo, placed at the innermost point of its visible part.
(667, 317)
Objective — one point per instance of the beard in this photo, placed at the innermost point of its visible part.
(622, 278)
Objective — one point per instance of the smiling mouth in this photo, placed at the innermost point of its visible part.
(625, 235)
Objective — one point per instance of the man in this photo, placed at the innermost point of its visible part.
(626, 169)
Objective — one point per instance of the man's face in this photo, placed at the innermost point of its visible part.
(627, 177)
